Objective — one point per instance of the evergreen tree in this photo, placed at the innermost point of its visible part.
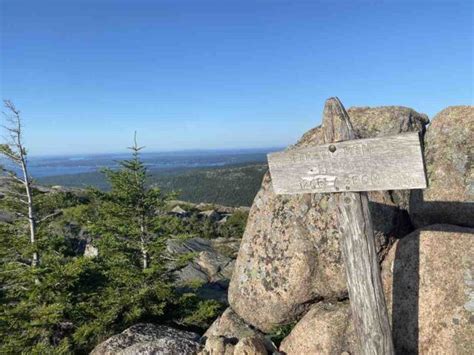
(126, 224)
(134, 207)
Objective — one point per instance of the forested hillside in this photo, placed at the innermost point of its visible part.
(234, 185)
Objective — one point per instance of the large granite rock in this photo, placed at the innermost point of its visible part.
(449, 154)
(386, 120)
(290, 255)
(325, 329)
(148, 339)
(370, 122)
(429, 288)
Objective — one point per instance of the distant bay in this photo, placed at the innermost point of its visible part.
(49, 166)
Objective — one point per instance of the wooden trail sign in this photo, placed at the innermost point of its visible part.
(387, 163)
(343, 165)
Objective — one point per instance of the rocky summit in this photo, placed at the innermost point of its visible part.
(289, 271)
(290, 255)
(288, 293)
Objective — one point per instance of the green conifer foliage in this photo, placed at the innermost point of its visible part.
(69, 302)
(130, 209)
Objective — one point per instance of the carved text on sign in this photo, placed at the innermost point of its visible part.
(385, 163)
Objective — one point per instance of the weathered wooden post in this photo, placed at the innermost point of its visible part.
(349, 167)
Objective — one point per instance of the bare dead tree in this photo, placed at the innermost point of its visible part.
(15, 151)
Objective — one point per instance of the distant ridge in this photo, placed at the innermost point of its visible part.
(231, 185)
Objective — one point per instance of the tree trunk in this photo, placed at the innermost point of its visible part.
(143, 247)
(369, 311)
(31, 214)
(18, 156)
(145, 258)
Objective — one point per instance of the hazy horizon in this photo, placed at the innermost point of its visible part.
(126, 152)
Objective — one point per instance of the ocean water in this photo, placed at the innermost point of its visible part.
(65, 165)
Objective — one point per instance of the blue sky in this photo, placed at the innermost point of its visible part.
(222, 74)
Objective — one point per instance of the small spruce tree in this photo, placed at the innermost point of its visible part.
(136, 204)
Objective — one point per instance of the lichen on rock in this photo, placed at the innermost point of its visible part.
(449, 155)
(426, 289)
(290, 256)
(146, 338)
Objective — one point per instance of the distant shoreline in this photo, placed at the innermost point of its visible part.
(188, 152)
(58, 166)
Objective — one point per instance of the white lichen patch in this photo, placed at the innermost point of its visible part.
(469, 291)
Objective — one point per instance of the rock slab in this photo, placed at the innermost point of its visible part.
(250, 346)
(208, 266)
(148, 339)
(325, 329)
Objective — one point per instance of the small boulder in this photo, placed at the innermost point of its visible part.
(230, 325)
(218, 345)
(325, 329)
(148, 339)
(449, 154)
(231, 328)
(250, 346)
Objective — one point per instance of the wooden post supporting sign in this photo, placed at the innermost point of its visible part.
(348, 167)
